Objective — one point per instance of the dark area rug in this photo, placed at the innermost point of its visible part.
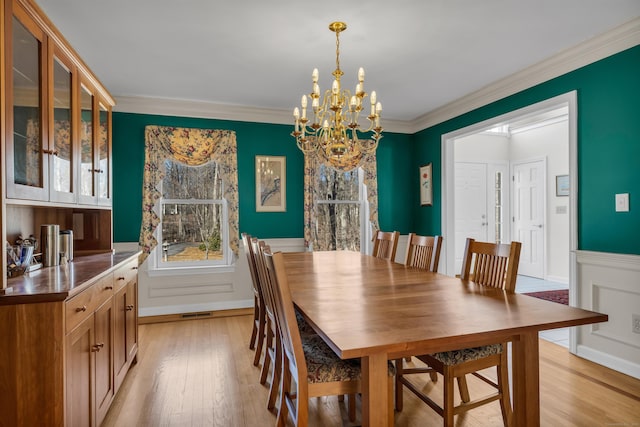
(560, 296)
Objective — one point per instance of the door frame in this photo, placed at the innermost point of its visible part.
(569, 100)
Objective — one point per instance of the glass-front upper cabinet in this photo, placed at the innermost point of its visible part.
(103, 151)
(87, 153)
(58, 122)
(62, 129)
(26, 165)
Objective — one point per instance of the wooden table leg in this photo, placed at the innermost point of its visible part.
(375, 396)
(525, 360)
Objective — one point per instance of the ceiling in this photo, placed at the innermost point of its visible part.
(418, 55)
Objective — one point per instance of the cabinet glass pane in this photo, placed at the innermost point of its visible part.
(62, 127)
(27, 134)
(86, 142)
(103, 154)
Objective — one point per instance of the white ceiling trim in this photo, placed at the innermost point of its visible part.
(621, 38)
(209, 110)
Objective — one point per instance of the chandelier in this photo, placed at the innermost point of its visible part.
(333, 131)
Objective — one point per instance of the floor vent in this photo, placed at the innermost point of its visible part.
(196, 315)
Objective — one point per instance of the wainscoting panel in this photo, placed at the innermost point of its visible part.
(610, 284)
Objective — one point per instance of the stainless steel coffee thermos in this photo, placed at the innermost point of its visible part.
(50, 244)
(66, 244)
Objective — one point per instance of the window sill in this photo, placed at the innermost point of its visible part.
(187, 271)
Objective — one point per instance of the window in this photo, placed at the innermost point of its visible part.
(340, 210)
(193, 229)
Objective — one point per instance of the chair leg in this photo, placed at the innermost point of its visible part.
(351, 407)
(464, 390)
(254, 331)
(260, 337)
(399, 389)
(391, 419)
(447, 415)
(285, 385)
(276, 376)
(434, 376)
(268, 354)
(503, 384)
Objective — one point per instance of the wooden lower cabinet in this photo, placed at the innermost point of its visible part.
(103, 351)
(65, 360)
(126, 325)
(80, 376)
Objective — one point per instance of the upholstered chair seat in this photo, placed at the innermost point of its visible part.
(456, 357)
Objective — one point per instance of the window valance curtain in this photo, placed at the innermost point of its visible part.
(192, 147)
(311, 164)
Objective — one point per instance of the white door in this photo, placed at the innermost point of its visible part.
(529, 196)
(470, 206)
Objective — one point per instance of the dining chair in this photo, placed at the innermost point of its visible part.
(310, 367)
(423, 252)
(259, 315)
(272, 345)
(385, 244)
(488, 264)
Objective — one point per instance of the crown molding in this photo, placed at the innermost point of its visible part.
(599, 47)
(209, 110)
(620, 38)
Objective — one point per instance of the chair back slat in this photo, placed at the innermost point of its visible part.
(385, 244)
(423, 252)
(491, 264)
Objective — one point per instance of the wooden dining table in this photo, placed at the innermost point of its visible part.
(378, 310)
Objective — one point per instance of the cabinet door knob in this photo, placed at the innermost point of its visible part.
(80, 309)
(106, 288)
(97, 347)
(129, 307)
(120, 278)
(134, 268)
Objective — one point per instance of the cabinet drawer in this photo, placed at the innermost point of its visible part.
(125, 274)
(85, 303)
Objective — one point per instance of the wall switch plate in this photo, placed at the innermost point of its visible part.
(635, 327)
(622, 202)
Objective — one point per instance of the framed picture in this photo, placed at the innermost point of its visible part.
(426, 185)
(271, 184)
(562, 185)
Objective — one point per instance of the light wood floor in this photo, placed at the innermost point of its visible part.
(200, 373)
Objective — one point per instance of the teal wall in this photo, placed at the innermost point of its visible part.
(608, 149)
(608, 157)
(252, 139)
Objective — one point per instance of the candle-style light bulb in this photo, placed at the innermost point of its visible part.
(359, 88)
(378, 108)
(314, 75)
(296, 113)
(361, 74)
(353, 103)
(373, 97)
(304, 101)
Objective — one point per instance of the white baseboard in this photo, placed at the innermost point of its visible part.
(621, 365)
(558, 279)
(193, 308)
